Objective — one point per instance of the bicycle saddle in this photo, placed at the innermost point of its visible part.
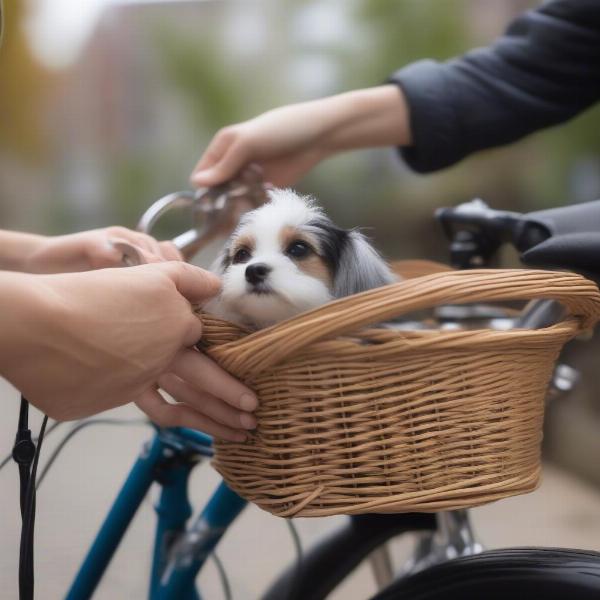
(573, 240)
(573, 251)
(575, 218)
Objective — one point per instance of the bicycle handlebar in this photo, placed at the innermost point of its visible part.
(566, 237)
(477, 231)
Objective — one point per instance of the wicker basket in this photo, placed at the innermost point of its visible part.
(354, 420)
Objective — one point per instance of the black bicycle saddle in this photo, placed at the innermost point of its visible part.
(575, 218)
(578, 252)
(573, 239)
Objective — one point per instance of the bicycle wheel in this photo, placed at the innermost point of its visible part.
(548, 573)
(327, 563)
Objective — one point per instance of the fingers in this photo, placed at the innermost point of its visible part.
(169, 251)
(223, 159)
(162, 250)
(202, 373)
(132, 254)
(146, 242)
(103, 255)
(141, 240)
(225, 169)
(207, 404)
(193, 332)
(194, 283)
(216, 149)
(180, 415)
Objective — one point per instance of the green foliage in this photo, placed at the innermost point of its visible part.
(197, 70)
(132, 185)
(403, 32)
(217, 87)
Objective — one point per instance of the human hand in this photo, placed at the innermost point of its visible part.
(93, 250)
(77, 344)
(284, 142)
(288, 141)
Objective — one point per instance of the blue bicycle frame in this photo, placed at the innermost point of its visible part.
(179, 551)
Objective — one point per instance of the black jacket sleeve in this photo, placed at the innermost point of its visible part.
(544, 70)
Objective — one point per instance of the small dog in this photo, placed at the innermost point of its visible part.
(286, 257)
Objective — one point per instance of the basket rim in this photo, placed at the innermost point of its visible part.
(422, 338)
(255, 351)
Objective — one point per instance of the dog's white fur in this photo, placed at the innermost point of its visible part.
(352, 262)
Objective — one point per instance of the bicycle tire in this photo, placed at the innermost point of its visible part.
(548, 573)
(328, 562)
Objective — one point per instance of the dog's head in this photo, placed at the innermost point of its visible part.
(286, 257)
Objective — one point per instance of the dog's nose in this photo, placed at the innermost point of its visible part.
(257, 273)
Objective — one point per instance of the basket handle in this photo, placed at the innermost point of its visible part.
(265, 348)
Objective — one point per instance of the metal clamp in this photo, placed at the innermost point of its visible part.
(216, 211)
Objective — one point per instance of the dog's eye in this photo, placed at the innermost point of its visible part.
(241, 256)
(298, 249)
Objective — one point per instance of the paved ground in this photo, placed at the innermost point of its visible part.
(72, 501)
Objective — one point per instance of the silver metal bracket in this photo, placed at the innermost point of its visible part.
(454, 537)
(190, 546)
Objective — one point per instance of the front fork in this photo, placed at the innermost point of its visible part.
(452, 538)
(180, 552)
(173, 509)
(191, 549)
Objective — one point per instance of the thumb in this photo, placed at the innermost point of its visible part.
(103, 253)
(231, 163)
(193, 283)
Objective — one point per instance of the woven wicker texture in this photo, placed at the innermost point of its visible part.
(354, 420)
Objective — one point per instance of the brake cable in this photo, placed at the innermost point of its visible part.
(26, 454)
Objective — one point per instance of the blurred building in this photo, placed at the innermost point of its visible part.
(124, 103)
(156, 79)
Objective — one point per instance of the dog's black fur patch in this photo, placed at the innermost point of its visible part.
(332, 241)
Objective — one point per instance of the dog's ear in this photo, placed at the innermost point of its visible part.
(222, 261)
(360, 267)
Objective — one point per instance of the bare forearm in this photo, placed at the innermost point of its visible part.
(288, 141)
(19, 319)
(16, 248)
(366, 118)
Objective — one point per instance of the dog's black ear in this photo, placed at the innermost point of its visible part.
(360, 267)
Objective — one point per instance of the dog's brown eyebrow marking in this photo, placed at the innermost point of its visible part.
(313, 265)
(289, 234)
(243, 241)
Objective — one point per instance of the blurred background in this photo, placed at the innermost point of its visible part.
(106, 105)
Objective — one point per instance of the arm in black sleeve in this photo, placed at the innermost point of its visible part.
(544, 70)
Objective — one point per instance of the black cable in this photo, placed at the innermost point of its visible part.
(26, 572)
(222, 576)
(299, 557)
(49, 430)
(23, 414)
(77, 428)
(23, 454)
(5, 461)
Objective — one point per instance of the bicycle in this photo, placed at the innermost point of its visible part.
(448, 562)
